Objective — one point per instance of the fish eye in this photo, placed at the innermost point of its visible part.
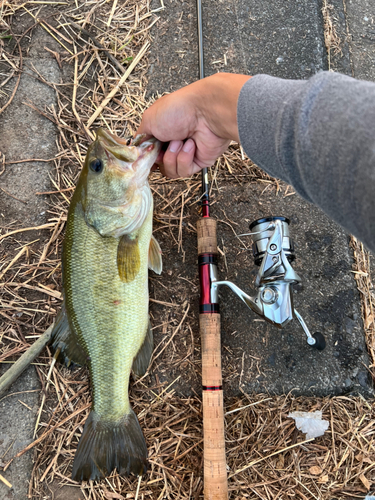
(96, 165)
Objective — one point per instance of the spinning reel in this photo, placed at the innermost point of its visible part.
(273, 252)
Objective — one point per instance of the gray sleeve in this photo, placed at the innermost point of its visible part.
(319, 136)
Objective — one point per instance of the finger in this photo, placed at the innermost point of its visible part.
(169, 168)
(185, 163)
(145, 126)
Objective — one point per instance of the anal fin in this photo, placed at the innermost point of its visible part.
(64, 339)
(143, 357)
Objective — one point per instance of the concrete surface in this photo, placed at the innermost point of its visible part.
(361, 24)
(340, 59)
(275, 37)
(256, 356)
(283, 39)
(280, 38)
(16, 430)
(279, 361)
(26, 134)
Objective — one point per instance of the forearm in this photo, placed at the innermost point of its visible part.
(317, 135)
(216, 99)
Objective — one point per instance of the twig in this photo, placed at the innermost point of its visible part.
(48, 31)
(118, 65)
(56, 355)
(23, 229)
(12, 196)
(18, 81)
(21, 252)
(27, 160)
(62, 422)
(122, 80)
(173, 334)
(53, 461)
(75, 86)
(7, 483)
(55, 234)
(56, 192)
(251, 464)
(23, 362)
(138, 486)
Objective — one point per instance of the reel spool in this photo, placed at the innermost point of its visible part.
(273, 252)
(261, 229)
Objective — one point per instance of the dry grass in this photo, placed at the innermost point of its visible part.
(362, 275)
(267, 457)
(331, 39)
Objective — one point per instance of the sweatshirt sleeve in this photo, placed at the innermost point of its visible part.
(319, 136)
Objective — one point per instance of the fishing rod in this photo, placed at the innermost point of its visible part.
(273, 252)
(214, 462)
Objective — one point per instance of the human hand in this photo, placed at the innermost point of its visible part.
(199, 121)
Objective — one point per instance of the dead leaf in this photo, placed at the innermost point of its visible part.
(323, 479)
(315, 470)
(109, 495)
(366, 483)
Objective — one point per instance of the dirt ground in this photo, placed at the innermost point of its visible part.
(65, 78)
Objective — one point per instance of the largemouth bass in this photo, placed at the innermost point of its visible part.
(104, 321)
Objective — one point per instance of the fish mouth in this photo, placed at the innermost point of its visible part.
(111, 139)
(149, 147)
(119, 147)
(128, 149)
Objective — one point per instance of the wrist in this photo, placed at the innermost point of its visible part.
(216, 102)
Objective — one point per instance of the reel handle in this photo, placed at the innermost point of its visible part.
(214, 461)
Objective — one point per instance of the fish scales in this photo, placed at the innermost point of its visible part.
(108, 248)
(107, 314)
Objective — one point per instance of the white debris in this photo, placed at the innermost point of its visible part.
(310, 423)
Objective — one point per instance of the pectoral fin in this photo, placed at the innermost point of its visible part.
(64, 339)
(142, 359)
(155, 262)
(128, 258)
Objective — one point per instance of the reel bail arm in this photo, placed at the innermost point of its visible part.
(273, 252)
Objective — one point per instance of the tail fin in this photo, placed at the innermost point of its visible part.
(106, 445)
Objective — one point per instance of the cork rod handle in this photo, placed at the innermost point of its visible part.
(214, 468)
